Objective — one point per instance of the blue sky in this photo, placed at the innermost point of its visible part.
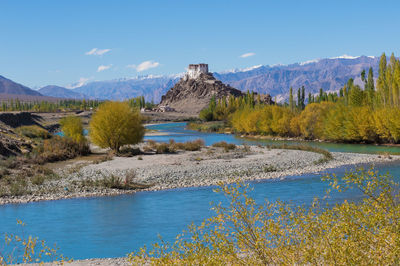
(53, 42)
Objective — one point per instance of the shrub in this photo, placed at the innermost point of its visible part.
(115, 124)
(58, 149)
(194, 145)
(73, 128)
(226, 146)
(173, 146)
(129, 152)
(38, 180)
(19, 248)
(244, 233)
(33, 132)
(164, 148)
(124, 183)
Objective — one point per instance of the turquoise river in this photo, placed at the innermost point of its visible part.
(114, 226)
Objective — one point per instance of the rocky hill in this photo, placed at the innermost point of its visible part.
(8, 86)
(192, 95)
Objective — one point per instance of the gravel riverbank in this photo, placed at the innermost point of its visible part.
(213, 165)
(188, 169)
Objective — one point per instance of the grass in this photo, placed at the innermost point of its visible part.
(214, 126)
(173, 147)
(33, 132)
(270, 169)
(115, 182)
(223, 144)
(327, 156)
(23, 175)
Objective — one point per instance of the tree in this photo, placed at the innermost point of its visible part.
(381, 83)
(303, 98)
(370, 87)
(73, 128)
(291, 101)
(115, 124)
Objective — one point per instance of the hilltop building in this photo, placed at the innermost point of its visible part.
(195, 70)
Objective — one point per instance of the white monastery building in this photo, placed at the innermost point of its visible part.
(195, 70)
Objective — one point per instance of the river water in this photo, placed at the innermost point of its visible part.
(113, 226)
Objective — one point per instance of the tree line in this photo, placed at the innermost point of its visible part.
(47, 106)
(368, 113)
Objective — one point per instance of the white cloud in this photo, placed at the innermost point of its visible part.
(96, 51)
(144, 66)
(103, 67)
(247, 55)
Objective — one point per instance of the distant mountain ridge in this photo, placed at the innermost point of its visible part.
(330, 74)
(8, 86)
(61, 92)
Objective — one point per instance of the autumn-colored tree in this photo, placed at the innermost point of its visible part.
(72, 127)
(115, 124)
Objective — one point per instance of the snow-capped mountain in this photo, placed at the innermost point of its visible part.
(329, 74)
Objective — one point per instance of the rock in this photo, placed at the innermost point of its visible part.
(191, 95)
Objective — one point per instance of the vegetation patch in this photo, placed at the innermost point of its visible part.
(223, 144)
(327, 155)
(172, 146)
(58, 149)
(33, 132)
(212, 126)
(116, 182)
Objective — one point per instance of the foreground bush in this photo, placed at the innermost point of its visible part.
(28, 249)
(244, 233)
(115, 124)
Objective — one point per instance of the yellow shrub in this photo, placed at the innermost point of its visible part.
(72, 127)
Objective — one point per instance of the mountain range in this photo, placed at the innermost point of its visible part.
(61, 92)
(8, 86)
(330, 74)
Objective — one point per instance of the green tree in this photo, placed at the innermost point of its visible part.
(115, 124)
(381, 82)
(291, 101)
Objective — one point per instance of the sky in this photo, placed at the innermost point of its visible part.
(66, 43)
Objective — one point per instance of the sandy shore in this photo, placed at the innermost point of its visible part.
(189, 169)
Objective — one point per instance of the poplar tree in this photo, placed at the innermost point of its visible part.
(381, 82)
(291, 102)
